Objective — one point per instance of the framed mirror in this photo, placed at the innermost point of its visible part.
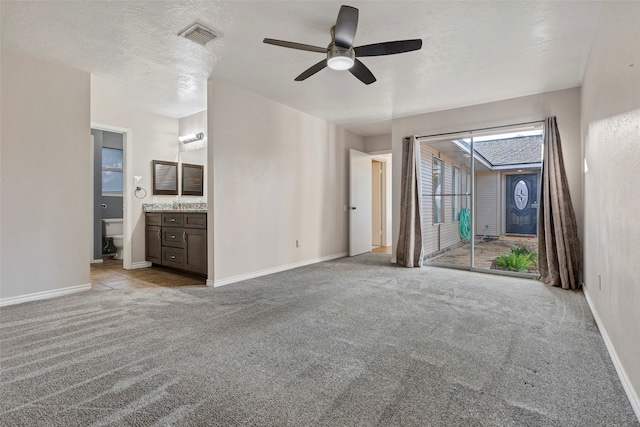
(192, 178)
(165, 178)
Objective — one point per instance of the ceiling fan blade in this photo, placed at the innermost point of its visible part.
(388, 48)
(312, 70)
(346, 26)
(362, 72)
(293, 45)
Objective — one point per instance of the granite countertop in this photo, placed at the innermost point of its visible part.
(168, 207)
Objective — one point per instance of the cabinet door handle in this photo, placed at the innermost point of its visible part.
(184, 236)
(159, 236)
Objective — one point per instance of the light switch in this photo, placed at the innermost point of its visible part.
(137, 181)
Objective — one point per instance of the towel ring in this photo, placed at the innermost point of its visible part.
(138, 189)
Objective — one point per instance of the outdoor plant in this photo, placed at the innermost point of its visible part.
(526, 248)
(515, 261)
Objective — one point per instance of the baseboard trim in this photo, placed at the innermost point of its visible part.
(267, 271)
(96, 261)
(141, 264)
(44, 295)
(622, 374)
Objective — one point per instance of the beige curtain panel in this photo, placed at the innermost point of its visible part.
(409, 252)
(558, 246)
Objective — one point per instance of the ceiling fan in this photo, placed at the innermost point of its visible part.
(341, 55)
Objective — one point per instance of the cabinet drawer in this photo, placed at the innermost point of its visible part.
(173, 237)
(173, 257)
(153, 218)
(195, 220)
(172, 219)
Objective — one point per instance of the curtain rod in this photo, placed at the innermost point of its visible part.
(478, 129)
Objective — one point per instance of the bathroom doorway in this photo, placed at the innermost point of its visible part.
(110, 173)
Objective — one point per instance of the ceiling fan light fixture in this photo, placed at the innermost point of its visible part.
(341, 54)
(340, 62)
(340, 58)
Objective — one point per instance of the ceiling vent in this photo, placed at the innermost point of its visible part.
(199, 33)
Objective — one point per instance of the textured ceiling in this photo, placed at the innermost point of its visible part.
(473, 52)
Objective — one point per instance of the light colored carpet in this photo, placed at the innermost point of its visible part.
(354, 341)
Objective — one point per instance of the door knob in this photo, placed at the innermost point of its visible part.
(353, 208)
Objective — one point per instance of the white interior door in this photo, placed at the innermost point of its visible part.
(359, 203)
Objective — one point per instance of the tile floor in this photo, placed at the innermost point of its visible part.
(382, 249)
(109, 275)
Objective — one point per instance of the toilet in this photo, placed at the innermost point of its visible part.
(113, 229)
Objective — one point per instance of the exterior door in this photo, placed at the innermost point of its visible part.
(522, 204)
(359, 202)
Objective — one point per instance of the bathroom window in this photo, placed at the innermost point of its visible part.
(112, 172)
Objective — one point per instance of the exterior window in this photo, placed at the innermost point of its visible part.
(456, 194)
(112, 172)
(438, 182)
(468, 201)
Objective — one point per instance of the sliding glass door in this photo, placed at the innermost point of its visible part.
(446, 201)
(480, 199)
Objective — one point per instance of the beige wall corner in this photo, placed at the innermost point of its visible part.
(611, 151)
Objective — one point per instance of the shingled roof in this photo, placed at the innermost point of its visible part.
(511, 151)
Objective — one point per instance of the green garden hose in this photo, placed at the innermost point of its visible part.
(465, 226)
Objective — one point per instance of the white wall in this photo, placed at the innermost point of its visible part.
(377, 143)
(611, 146)
(564, 104)
(488, 203)
(194, 152)
(194, 123)
(45, 213)
(154, 137)
(279, 175)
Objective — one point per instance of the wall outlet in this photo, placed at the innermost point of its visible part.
(298, 244)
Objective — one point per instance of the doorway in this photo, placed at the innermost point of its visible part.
(376, 203)
(369, 203)
(115, 195)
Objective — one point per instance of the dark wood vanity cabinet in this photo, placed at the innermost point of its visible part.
(194, 249)
(152, 238)
(177, 240)
(153, 244)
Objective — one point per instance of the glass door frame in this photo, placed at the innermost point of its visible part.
(471, 135)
